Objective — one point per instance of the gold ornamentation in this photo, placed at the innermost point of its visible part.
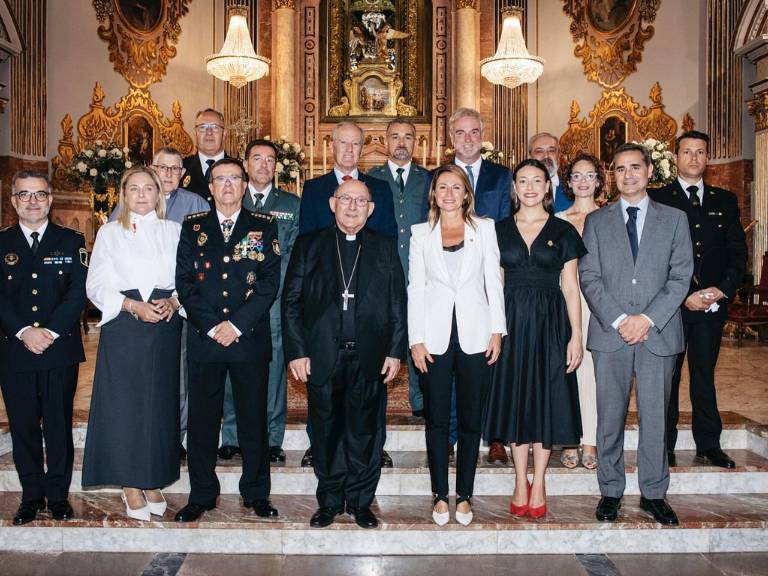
(610, 43)
(688, 122)
(111, 125)
(341, 109)
(758, 108)
(373, 90)
(618, 107)
(461, 4)
(277, 4)
(335, 53)
(140, 42)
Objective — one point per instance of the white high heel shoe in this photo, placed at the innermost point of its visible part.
(464, 518)
(136, 513)
(156, 508)
(440, 518)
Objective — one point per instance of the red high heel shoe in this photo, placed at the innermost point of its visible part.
(539, 511)
(521, 511)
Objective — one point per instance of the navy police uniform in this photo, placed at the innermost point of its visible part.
(235, 280)
(41, 290)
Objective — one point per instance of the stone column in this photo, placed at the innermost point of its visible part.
(466, 55)
(284, 79)
(758, 108)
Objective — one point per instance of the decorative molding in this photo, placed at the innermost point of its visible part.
(640, 123)
(610, 46)
(140, 42)
(110, 125)
(278, 4)
(442, 72)
(758, 108)
(752, 30)
(688, 123)
(310, 108)
(462, 4)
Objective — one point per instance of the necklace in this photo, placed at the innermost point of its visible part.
(346, 294)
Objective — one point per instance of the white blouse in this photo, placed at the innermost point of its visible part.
(142, 258)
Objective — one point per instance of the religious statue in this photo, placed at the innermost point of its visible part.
(371, 35)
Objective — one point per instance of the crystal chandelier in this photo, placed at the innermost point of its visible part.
(512, 65)
(237, 62)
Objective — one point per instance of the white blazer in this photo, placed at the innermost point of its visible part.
(478, 296)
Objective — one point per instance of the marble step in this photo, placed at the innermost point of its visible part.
(410, 476)
(730, 523)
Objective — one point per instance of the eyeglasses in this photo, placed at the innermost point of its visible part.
(359, 201)
(164, 168)
(232, 179)
(26, 195)
(212, 127)
(588, 176)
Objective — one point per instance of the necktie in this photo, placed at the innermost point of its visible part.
(257, 200)
(471, 177)
(35, 242)
(400, 181)
(346, 178)
(693, 195)
(632, 230)
(210, 163)
(226, 228)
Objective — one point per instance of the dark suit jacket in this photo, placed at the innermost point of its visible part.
(316, 214)
(312, 304)
(562, 202)
(219, 281)
(194, 178)
(46, 290)
(492, 190)
(718, 241)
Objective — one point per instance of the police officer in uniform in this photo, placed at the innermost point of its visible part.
(227, 277)
(719, 262)
(42, 294)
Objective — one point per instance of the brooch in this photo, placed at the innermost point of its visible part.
(11, 259)
(202, 239)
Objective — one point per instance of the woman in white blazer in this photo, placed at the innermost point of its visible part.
(455, 325)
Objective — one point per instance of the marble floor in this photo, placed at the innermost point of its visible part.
(741, 381)
(170, 564)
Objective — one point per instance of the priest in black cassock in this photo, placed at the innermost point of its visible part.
(344, 333)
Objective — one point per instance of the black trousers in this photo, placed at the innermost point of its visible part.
(471, 375)
(206, 397)
(702, 347)
(347, 434)
(29, 398)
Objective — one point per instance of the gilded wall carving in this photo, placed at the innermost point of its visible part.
(758, 108)
(277, 4)
(461, 4)
(141, 36)
(610, 36)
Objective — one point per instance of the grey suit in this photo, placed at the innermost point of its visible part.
(284, 206)
(655, 285)
(410, 209)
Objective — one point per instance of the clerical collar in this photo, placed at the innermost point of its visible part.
(344, 236)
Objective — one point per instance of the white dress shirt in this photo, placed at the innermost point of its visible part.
(700, 185)
(475, 168)
(142, 258)
(204, 160)
(394, 167)
(355, 175)
(264, 193)
(28, 235)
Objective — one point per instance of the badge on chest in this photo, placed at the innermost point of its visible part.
(250, 246)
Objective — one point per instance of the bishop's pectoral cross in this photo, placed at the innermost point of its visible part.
(346, 295)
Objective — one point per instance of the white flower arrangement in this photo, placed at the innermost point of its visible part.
(289, 158)
(487, 152)
(664, 168)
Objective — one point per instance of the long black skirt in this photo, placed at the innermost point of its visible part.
(133, 427)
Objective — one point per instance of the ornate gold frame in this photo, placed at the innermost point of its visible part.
(140, 56)
(108, 125)
(641, 122)
(610, 56)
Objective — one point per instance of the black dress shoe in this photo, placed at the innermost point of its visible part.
(324, 516)
(386, 459)
(276, 455)
(671, 458)
(608, 509)
(660, 510)
(263, 509)
(61, 510)
(306, 460)
(364, 517)
(228, 452)
(182, 452)
(28, 510)
(192, 512)
(717, 457)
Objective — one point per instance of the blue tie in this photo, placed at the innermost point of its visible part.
(632, 230)
(471, 177)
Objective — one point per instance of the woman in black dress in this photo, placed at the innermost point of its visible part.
(133, 425)
(534, 396)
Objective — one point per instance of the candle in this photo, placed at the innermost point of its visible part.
(312, 157)
(437, 154)
(325, 156)
(424, 151)
(276, 179)
(298, 183)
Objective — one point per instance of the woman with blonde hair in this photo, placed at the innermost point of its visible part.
(455, 326)
(133, 426)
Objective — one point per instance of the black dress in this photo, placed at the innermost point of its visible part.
(532, 399)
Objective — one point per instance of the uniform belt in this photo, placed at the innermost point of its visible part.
(347, 345)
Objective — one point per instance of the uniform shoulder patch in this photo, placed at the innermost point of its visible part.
(196, 215)
(262, 216)
(75, 230)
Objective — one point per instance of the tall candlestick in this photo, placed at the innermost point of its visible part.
(312, 157)
(325, 156)
(276, 177)
(437, 154)
(424, 152)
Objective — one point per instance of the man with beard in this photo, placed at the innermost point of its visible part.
(406, 182)
(545, 148)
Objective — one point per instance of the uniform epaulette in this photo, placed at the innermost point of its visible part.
(262, 216)
(6, 228)
(196, 215)
(75, 230)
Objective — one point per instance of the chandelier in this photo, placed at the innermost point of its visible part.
(237, 62)
(512, 65)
